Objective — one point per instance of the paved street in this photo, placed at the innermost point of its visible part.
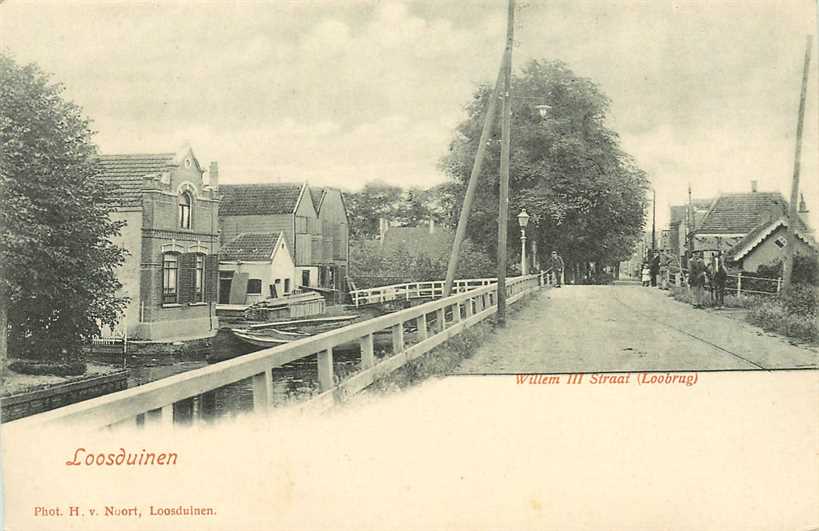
(628, 328)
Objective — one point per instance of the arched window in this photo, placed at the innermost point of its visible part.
(170, 278)
(185, 210)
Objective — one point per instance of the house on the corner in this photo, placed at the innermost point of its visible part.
(169, 205)
(750, 229)
(766, 244)
(255, 266)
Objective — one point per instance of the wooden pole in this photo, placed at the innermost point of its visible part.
(463, 219)
(503, 199)
(793, 216)
(654, 221)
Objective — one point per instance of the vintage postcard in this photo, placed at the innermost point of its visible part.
(409, 264)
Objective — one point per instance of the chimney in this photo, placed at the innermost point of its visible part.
(753, 186)
(431, 226)
(213, 174)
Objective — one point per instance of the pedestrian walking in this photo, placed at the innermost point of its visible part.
(665, 269)
(646, 275)
(556, 267)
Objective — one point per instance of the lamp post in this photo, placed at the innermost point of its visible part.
(523, 220)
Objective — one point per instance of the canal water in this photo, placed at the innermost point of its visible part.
(293, 382)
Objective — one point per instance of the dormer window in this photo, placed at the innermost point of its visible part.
(185, 201)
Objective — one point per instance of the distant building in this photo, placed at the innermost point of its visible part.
(332, 255)
(274, 208)
(313, 221)
(169, 204)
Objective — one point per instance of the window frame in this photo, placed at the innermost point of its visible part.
(198, 294)
(170, 296)
(185, 210)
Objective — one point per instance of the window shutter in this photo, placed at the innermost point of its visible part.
(187, 262)
(211, 277)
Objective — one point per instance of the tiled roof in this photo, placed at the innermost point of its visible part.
(251, 246)
(123, 175)
(250, 199)
(741, 213)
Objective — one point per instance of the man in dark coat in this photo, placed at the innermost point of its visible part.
(696, 271)
(556, 265)
(720, 279)
(654, 268)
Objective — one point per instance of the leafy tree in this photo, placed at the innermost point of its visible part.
(59, 263)
(586, 197)
(376, 200)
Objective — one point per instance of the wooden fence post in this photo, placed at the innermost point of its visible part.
(421, 325)
(262, 390)
(367, 354)
(779, 284)
(398, 338)
(456, 313)
(440, 316)
(325, 369)
(739, 285)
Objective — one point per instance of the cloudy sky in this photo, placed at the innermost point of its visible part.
(339, 93)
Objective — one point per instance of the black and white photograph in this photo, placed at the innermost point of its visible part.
(409, 264)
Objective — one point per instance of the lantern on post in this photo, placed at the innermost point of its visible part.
(523, 220)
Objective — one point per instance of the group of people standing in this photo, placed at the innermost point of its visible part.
(655, 270)
(707, 282)
(710, 279)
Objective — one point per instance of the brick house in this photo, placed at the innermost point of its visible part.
(169, 205)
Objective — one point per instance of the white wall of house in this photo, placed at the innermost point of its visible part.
(279, 272)
(770, 251)
(128, 273)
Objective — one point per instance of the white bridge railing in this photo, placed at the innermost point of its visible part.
(153, 403)
(432, 289)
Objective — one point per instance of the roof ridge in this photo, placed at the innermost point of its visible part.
(125, 155)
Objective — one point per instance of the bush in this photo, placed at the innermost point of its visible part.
(800, 299)
(45, 368)
(773, 315)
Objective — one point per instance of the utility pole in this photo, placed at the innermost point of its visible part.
(793, 216)
(654, 221)
(503, 199)
(690, 228)
(463, 219)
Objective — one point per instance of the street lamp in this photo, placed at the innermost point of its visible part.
(523, 220)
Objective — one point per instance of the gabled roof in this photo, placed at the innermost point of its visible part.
(253, 246)
(761, 232)
(742, 213)
(123, 174)
(251, 199)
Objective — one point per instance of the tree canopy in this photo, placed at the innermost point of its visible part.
(58, 260)
(406, 207)
(586, 197)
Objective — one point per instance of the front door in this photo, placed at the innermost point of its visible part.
(225, 279)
